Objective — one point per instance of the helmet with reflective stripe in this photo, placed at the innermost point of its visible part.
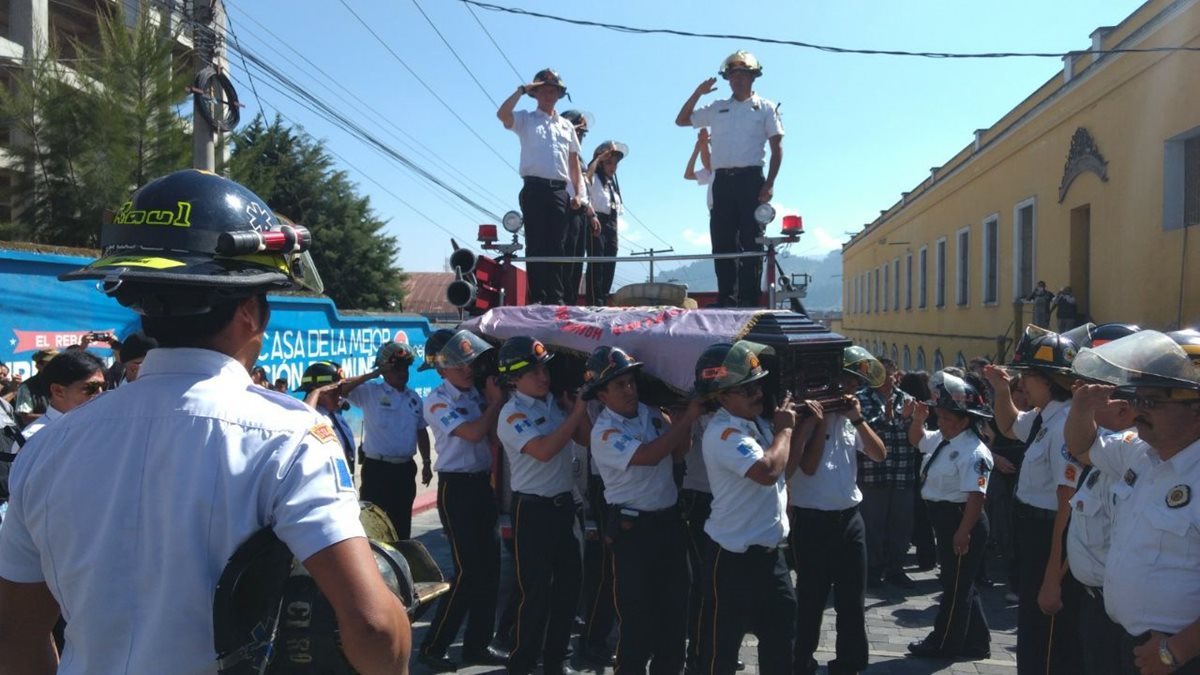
(605, 365)
(320, 374)
(520, 353)
(725, 366)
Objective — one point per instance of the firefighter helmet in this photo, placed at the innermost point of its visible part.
(953, 393)
(461, 350)
(858, 361)
(1145, 359)
(547, 76)
(433, 345)
(724, 366)
(740, 60)
(519, 353)
(605, 365)
(1107, 332)
(1047, 351)
(398, 353)
(320, 374)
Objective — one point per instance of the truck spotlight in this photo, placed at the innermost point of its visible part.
(513, 222)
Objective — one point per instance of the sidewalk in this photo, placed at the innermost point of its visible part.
(894, 619)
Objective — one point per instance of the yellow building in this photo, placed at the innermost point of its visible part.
(1092, 182)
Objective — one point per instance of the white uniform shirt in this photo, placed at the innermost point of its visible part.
(614, 440)
(739, 130)
(546, 144)
(705, 177)
(744, 513)
(695, 476)
(130, 507)
(38, 424)
(1152, 575)
(1047, 464)
(834, 485)
(391, 420)
(522, 419)
(962, 467)
(605, 199)
(446, 408)
(1090, 531)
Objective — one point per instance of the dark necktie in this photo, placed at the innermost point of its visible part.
(932, 459)
(344, 435)
(1033, 431)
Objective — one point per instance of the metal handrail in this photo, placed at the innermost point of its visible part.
(639, 259)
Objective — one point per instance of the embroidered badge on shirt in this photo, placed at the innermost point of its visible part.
(745, 449)
(953, 454)
(341, 471)
(436, 407)
(519, 422)
(1069, 472)
(1179, 496)
(729, 431)
(1130, 477)
(1066, 454)
(324, 433)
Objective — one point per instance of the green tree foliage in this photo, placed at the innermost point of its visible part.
(89, 131)
(295, 175)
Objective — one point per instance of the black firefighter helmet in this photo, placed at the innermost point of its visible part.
(192, 239)
(1043, 350)
(433, 344)
(605, 365)
(270, 617)
(320, 374)
(520, 353)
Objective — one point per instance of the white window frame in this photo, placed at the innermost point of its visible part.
(991, 264)
(1174, 184)
(908, 286)
(1018, 254)
(962, 267)
(939, 274)
(923, 278)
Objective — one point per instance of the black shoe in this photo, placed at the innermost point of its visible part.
(490, 656)
(926, 650)
(438, 664)
(741, 665)
(901, 579)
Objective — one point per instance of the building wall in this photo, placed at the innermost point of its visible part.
(1118, 243)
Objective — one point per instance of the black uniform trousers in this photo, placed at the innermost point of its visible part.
(732, 228)
(960, 625)
(1128, 642)
(650, 581)
(600, 274)
(598, 609)
(922, 534)
(697, 506)
(1045, 644)
(393, 488)
(751, 592)
(467, 508)
(544, 206)
(575, 239)
(830, 550)
(549, 570)
(1100, 636)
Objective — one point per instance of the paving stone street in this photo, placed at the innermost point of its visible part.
(895, 617)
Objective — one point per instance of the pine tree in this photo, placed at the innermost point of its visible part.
(295, 175)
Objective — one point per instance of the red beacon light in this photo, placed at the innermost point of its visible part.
(488, 234)
(792, 224)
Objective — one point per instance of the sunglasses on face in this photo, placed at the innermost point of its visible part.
(92, 388)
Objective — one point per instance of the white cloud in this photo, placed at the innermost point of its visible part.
(816, 239)
(697, 238)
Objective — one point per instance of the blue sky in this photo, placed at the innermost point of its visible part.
(859, 129)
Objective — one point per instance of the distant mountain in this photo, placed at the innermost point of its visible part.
(824, 289)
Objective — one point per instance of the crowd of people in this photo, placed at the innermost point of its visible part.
(572, 208)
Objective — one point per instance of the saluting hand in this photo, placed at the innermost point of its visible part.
(996, 376)
(1091, 397)
(920, 412)
(706, 87)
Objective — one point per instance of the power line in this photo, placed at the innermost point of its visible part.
(433, 93)
(824, 48)
(237, 47)
(495, 44)
(456, 56)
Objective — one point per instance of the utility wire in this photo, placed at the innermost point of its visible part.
(238, 48)
(494, 43)
(456, 56)
(824, 48)
(433, 93)
(414, 143)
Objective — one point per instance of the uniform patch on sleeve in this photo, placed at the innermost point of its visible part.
(1066, 453)
(341, 471)
(514, 417)
(437, 406)
(519, 421)
(608, 432)
(729, 431)
(324, 433)
(1069, 473)
(745, 448)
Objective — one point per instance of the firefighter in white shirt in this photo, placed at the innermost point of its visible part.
(462, 420)
(828, 537)
(954, 481)
(746, 458)
(1151, 580)
(195, 460)
(534, 431)
(740, 126)
(634, 448)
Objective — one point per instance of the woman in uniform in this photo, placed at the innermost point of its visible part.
(954, 480)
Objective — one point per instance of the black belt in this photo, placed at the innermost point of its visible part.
(1023, 510)
(559, 500)
(545, 182)
(827, 515)
(669, 513)
(463, 474)
(738, 170)
(756, 549)
(943, 504)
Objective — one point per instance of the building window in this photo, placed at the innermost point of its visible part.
(960, 360)
(867, 286)
(887, 276)
(991, 260)
(875, 290)
(1024, 239)
(938, 361)
(896, 284)
(920, 358)
(963, 267)
(939, 281)
(923, 276)
(907, 359)
(908, 281)
(882, 353)
(895, 355)
(1181, 180)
